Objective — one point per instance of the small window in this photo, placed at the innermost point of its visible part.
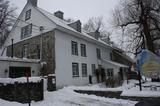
(83, 50)
(84, 70)
(75, 69)
(28, 15)
(110, 72)
(25, 50)
(111, 56)
(26, 31)
(93, 69)
(74, 48)
(98, 53)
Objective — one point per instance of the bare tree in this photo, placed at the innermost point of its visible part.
(140, 23)
(6, 19)
(96, 24)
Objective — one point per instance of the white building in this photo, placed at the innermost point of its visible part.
(72, 54)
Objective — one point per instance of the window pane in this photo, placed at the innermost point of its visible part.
(74, 48)
(28, 15)
(84, 70)
(75, 69)
(98, 53)
(83, 50)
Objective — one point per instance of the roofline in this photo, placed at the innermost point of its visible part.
(76, 34)
(20, 60)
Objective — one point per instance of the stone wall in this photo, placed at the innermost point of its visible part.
(34, 46)
(22, 92)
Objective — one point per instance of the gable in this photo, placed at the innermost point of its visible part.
(37, 19)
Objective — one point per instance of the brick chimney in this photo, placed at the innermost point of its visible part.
(59, 14)
(33, 2)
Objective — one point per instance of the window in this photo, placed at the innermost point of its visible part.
(111, 56)
(98, 53)
(75, 70)
(26, 31)
(28, 15)
(93, 69)
(83, 50)
(110, 72)
(74, 48)
(25, 50)
(38, 51)
(84, 70)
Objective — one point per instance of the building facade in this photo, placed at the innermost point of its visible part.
(68, 52)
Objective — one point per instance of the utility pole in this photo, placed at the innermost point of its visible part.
(41, 42)
(12, 48)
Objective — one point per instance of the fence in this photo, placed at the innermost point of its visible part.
(20, 92)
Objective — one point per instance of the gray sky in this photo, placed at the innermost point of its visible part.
(76, 9)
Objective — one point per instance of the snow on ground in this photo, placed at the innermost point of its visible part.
(146, 92)
(20, 80)
(102, 87)
(67, 97)
(129, 89)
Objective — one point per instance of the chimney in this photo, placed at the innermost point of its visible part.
(76, 25)
(95, 34)
(33, 2)
(59, 14)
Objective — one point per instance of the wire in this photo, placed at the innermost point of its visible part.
(27, 22)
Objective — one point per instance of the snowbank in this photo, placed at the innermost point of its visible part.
(20, 80)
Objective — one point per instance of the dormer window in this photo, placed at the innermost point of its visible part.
(28, 15)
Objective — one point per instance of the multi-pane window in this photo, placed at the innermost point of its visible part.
(26, 31)
(84, 70)
(28, 15)
(74, 48)
(83, 50)
(98, 53)
(75, 69)
(110, 72)
(93, 69)
(25, 50)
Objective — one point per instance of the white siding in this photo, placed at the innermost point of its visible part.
(37, 19)
(64, 59)
(4, 65)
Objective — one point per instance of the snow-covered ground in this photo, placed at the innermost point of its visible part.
(102, 87)
(67, 97)
(146, 91)
(129, 89)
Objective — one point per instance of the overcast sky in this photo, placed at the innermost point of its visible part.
(76, 9)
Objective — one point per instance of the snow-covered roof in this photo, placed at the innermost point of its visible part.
(116, 64)
(62, 23)
(14, 59)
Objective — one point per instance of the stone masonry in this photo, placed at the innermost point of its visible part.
(33, 50)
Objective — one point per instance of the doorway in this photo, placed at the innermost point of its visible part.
(16, 72)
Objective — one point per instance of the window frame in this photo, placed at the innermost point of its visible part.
(83, 50)
(75, 74)
(110, 72)
(26, 31)
(28, 15)
(84, 70)
(93, 66)
(25, 51)
(98, 51)
(74, 48)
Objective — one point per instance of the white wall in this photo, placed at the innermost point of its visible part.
(64, 59)
(4, 65)
(36, 18)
